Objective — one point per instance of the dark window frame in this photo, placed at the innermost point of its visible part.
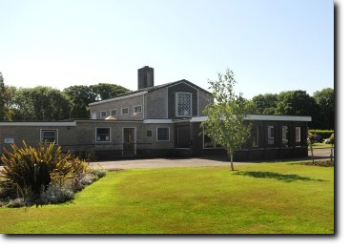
(44, 138)
(101, 136)
(166, 134)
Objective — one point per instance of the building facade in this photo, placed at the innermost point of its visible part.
(158, 121)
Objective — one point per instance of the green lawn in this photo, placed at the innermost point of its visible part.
(318, 145)
(265, 198)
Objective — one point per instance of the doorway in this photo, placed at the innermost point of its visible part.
(183, 136)
(129, 146)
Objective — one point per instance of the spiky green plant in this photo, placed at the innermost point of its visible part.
(33, 169)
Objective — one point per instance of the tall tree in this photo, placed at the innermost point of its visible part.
(49, 104)
(326, 102)
(225, 122)
(298, 102)
(265, 103)
(8, 98)
(2, 98)
(39, 104)
(107, 90)
(80, 96)
(21, 105)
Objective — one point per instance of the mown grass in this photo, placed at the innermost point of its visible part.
(319, 145)
(265, 198)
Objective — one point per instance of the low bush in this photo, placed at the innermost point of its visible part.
(315, 138)
(321, 133)
(42, 175)
(56, 194)
(330, 140)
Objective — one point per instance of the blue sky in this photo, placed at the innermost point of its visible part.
(271, 45)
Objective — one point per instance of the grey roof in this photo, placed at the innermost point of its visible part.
(150, 89)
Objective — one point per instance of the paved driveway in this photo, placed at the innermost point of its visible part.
(189, 162)
(161, 163)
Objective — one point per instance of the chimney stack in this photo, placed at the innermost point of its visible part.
(145, 77)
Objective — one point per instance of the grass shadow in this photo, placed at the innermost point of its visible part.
(277, 176)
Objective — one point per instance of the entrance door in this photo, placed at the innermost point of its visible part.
(129, 141)
(183, 136)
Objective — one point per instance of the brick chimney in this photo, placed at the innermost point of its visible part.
(145, 77)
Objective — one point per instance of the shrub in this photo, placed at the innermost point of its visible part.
(330, 140)
(315, 138)
(99, 173)
(15, 203)
(321, 132)
(87, 179)
(42, 175)
(57, 193)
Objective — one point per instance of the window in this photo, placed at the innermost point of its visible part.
(9, 140)
(298, 134)
(209, 143)
(125, 111)
(255, 136)
(270, 135)
(138, 109)
(163, 134)
(183, 104)
(48, 136)
(103, 134)
(285, 136)
(114, 112)
(149, 133)
(103, 114)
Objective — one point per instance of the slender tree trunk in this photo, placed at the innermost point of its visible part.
(331, 154)
(312, 153)
(231, 156)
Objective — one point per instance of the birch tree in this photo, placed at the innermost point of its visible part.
(225, 122)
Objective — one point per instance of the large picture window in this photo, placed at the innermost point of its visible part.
(48, 136)
(103, 134)
(163, 134)
(271, 135)
(209, 143)
(183, 104)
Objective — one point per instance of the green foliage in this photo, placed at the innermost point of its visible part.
(298, 103)
(225, 122)
(81, 96)
(48, 104)
(2, 98)
(265, 104)
(107, 90)
(320, 106)
(325, 99)
(324, 133)
(38, 104)
(30, 173)
(330, 140)
(57, 193)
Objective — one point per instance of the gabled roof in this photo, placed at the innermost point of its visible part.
(149, 89)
